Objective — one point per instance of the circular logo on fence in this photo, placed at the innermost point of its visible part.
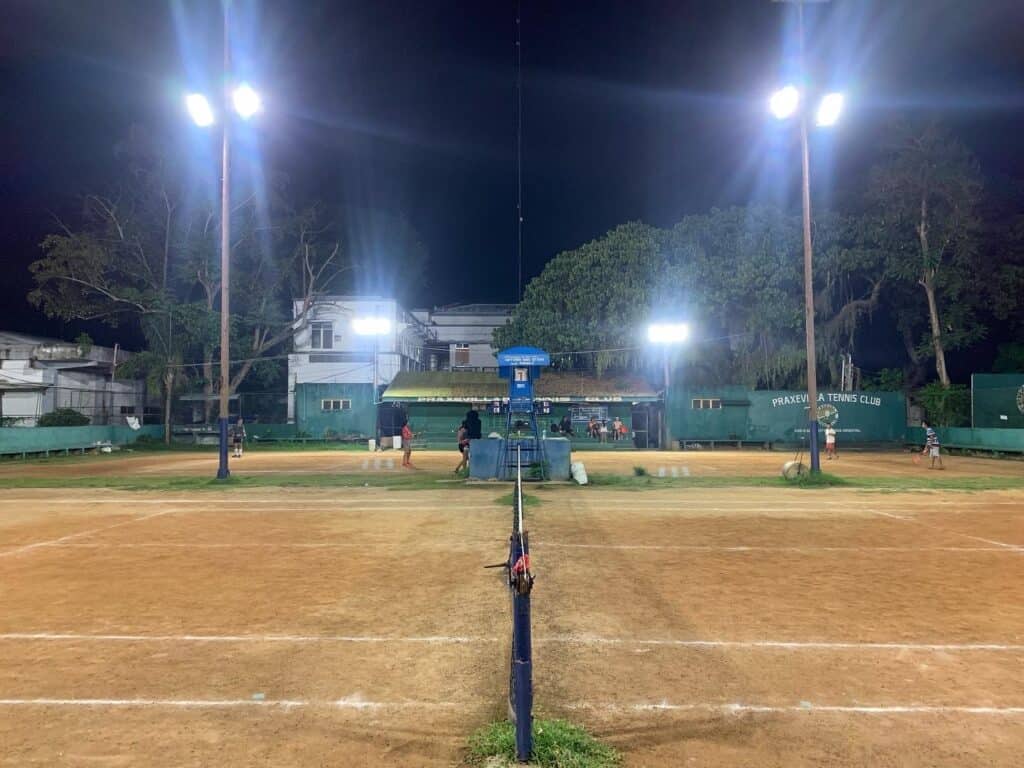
(1020, 399)
(828, 415)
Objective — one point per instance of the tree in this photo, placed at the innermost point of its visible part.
(146, 255)
(597, 297)
(116, 266)
(927, 192)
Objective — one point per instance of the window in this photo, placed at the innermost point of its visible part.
(462, 354)
(127, 410)
(322, 335)
(705, 403)
(336, 405)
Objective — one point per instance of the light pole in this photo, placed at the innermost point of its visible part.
(246, 103)
(376, 327)
(667, 335)
(783, 104)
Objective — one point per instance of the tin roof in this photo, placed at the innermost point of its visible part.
(476, 387)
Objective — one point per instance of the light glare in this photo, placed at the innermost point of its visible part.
(784, 102)
(668, 333)
(199, 109)
(371, 326)
(829, 109)
(246, 100)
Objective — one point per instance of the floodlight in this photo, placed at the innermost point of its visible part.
(668, 333)
(784, 102)
(246, 100)
(371, 326)
(199, 109)
(829, 108)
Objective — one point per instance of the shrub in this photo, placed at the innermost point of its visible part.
(945, 406)
(64, 417)
(640, 471)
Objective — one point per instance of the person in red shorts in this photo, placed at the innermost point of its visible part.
(407, 436)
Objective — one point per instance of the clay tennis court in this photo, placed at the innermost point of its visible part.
(357, 626)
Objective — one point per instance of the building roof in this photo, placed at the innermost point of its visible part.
(478, 387)
(471, 309)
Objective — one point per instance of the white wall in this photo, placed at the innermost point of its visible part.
(401, 349)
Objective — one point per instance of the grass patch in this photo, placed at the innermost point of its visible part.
(639, 471)
(400, 482)
(556, 744)
(817, 480)
(509, 499)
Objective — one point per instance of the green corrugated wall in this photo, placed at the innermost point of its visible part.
(996, 400)
(1003, 440)
(17, 440)
(778, 416)
(312, 421)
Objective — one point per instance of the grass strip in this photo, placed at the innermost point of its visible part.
(556, 744)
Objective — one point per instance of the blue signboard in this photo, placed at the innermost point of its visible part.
(521, 366)
(523, 356)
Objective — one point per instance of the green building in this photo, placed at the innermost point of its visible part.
(436, 402)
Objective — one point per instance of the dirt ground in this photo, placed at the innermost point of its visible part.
(357, 626)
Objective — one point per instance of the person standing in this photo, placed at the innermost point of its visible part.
(407, 436)
(931, 445)
(237, 437)
(830, 442)
(462, 435)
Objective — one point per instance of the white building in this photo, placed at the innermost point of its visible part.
(461, 335)
(40, 375)
(343, 348)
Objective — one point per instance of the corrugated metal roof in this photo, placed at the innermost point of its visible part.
(475, 386)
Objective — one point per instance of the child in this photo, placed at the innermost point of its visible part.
(407, 437)
(237, 436)
(830, 443)
(931, 447)
(463, 438)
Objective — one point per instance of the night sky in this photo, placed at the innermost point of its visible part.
(632, 110)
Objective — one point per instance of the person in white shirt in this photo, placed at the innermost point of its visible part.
(830, 443)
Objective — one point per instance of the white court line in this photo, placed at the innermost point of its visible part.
(789, 645)
(347, 703)
(359, 704)
(238, 501)
(74, 636)
(563, 639)
(744, 548)
(1008, 547)
(463, 544)
(738, 708)
(63, 539)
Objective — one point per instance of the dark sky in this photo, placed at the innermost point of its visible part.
(632, 110)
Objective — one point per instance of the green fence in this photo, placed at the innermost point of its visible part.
(965, 438)
(335, 410)
(740, 415)
(23, 440)
(997, 401)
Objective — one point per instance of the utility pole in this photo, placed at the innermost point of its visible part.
(225, 261)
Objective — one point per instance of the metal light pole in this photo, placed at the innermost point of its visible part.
(246, 103)
(812, 362)
(667, 335)
(225, 263)
(785, 103)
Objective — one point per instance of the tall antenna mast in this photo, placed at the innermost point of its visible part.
(519, 152)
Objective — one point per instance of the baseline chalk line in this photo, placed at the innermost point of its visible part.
(551, 639)
(739, 708)
(347, 703)
(80, 534)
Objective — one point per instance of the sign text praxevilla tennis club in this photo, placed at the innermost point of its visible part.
(828, 397)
